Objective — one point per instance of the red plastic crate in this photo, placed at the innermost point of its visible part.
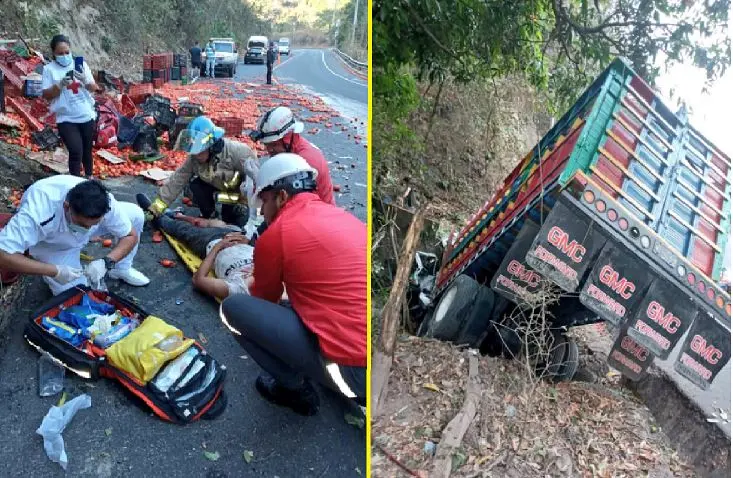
(138, 92)
(158, 62)
(232, 126)
(147, 62)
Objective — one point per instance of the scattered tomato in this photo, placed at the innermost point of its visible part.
(157, 237)
(167, 263)
(107, 243)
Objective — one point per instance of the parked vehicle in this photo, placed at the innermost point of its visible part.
(226, 57)
(623, 206)
(283, 46)
(256, 50)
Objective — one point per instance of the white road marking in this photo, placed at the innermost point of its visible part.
(323, 59)
(290, 57)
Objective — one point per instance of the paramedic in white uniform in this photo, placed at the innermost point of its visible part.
(56, 219)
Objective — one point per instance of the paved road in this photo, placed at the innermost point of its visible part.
(321, 73)
(140, 445)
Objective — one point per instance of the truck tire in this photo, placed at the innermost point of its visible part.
(570, 363)
(555, 356)
(454, 307)
(476, 324)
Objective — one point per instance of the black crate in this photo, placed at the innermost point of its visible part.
(46, 138)
(158, 74)
(180, 124)
(190, 110)
(175, 73)
(147, 76)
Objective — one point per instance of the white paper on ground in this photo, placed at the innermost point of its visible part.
(54, 424)
(156, 174)
(104, 154)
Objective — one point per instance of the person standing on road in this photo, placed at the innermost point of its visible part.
(195, 59)
(210, 59)
(68, 92)
(317, 253)
(215, 164)
(56, 219)
(280, 133)
(271, 58)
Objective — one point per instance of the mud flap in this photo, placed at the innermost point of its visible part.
(630, 357)
(565, 246)
(616, 284)
(705, 352)
(662, 318)
(514, 279)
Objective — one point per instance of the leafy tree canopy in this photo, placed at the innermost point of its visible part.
(558, 45)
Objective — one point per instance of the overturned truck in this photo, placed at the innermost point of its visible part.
(623, 207)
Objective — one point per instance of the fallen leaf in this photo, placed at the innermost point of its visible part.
(108, 431)
(431, 386)
(212, 455)
(354, 421)
(248, 455)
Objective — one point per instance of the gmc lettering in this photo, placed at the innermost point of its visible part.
(709, 352)
(559, 238)
(668, 321)
(516, 269)
(628, 344)
(618, 284)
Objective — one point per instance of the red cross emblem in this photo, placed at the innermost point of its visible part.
(74, 87)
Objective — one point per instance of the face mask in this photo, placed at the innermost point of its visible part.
(64, 60)
(75, 228)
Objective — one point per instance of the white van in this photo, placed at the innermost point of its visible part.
(283, 46)
(256, 50)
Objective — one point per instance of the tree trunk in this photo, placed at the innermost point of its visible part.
(382, 357)
(435, 109)
(456, 428)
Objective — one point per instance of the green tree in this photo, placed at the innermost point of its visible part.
(560, 44)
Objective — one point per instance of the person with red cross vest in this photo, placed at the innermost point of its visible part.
(278, 130)
(68, 87)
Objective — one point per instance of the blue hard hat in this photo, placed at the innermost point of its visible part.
(199, 136)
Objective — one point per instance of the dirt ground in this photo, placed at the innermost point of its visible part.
(524, 427)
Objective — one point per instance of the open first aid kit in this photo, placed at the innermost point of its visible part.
(100, 334)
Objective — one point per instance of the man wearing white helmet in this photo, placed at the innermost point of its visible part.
(280, 133)
(317, 252)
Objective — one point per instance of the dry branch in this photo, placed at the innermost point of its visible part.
(453, 433)
(391, 314)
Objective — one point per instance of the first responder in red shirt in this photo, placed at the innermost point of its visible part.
(316, 252)
(280, 133)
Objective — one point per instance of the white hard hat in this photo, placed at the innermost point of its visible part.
(289, 167)
(275, 124)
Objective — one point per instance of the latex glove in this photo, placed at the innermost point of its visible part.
(96, 270)
(80, 77)
(65, 81)
(66, 274)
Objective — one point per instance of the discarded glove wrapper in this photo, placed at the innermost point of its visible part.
(55, 422)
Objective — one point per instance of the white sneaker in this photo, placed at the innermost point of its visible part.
(132, 276)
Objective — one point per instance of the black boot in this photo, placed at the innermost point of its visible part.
(303, 400)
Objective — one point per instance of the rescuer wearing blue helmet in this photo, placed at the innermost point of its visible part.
(217, 170)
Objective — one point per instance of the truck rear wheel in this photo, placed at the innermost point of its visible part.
(474, 328)
(570, 363)
(456, 305)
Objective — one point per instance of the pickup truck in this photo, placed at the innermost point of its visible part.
(226, 57)
(623, 208)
